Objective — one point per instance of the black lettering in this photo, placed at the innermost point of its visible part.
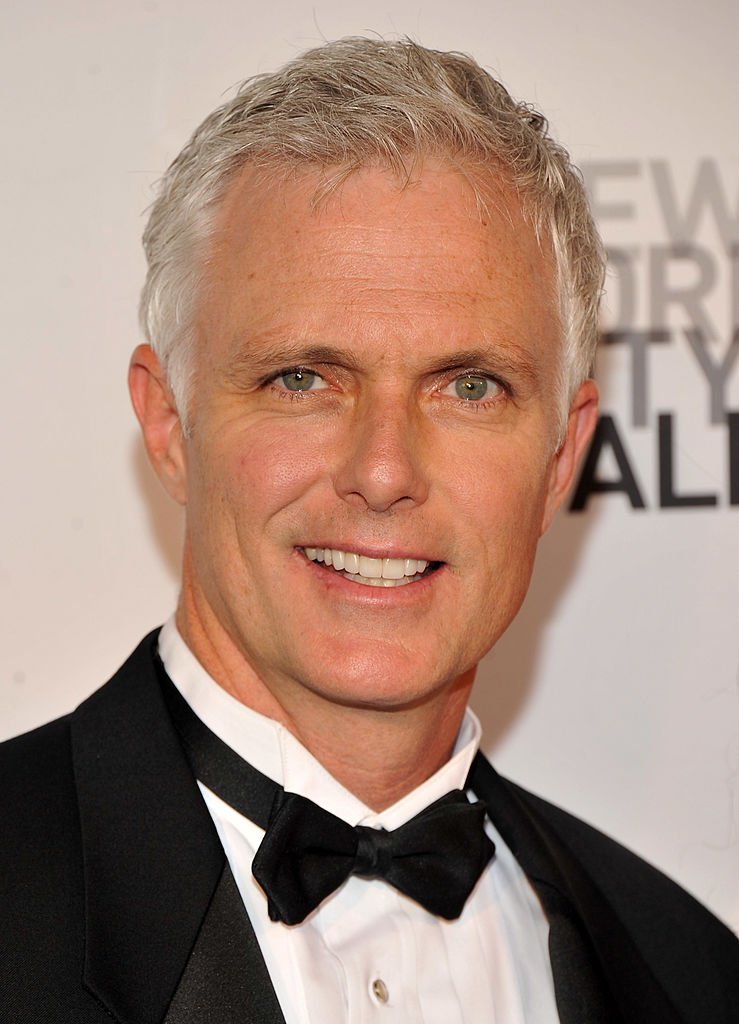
(667, 496)
(732, 419)
(594, 173)
(622, 281)
(691, 298)
(717, 372)
(606, 436)
(707, 198)
(638, 341)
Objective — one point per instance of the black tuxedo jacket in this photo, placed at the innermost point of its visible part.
(116, 902)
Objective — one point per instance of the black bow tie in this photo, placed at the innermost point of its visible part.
(435, 858)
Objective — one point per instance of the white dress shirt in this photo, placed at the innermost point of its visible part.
(368, 953)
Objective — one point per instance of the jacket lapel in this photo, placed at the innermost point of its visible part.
(599, 974)
(152, 858)
(215, 985)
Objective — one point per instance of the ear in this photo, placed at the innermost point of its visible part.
(581, 422)
(160, 422)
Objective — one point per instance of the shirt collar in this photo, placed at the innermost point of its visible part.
(274, 751)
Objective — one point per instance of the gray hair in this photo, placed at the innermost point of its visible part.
(359, 102)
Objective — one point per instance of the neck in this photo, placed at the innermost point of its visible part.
(382, 756)
(378, 754)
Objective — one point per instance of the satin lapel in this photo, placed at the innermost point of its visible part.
(216, 986)
(152, 858)
(599, 973)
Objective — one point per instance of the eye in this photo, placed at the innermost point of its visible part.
(473, 387)
(300, 379)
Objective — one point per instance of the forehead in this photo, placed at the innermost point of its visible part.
(374, 254)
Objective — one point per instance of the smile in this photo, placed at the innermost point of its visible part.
(371, 572)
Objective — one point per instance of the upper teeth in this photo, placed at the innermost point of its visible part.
(366, 567)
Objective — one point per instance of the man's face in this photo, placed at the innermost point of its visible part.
(374, 376)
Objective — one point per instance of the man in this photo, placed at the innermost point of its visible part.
(371, 307)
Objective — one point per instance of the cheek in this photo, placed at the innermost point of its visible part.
(504, 495)
(259, 473)
(507, 523)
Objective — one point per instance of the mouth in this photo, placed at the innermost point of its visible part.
(372, 572)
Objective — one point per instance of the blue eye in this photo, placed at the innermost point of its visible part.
(301, 380)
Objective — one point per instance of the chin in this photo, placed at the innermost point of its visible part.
(385, 684)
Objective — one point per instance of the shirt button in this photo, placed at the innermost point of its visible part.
(379, 991)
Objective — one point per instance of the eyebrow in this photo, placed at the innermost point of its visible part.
(270, 357)
(505, 358)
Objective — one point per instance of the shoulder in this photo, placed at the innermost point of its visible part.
(42, 858)
(38, 788)
(39, 837)
(36, 768)
(41, 883)
(623, 874)
(687, 947)
(37, 777)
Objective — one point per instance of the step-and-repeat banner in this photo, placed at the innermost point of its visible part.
(616, 692)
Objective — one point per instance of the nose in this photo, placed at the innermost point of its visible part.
(383, 464)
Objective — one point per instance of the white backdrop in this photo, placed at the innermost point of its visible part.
(616, 692)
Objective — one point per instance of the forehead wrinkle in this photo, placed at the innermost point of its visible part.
(352, 286)
(381, 271)
(352, 290)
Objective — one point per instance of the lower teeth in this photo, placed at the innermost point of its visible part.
(374, 581)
